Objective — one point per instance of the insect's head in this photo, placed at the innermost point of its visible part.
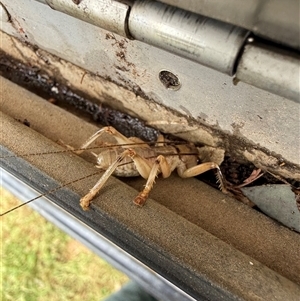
(211, 154)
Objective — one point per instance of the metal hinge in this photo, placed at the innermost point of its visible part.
(212, 43)
(107, 14)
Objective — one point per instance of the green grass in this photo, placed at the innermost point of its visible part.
(40, 262)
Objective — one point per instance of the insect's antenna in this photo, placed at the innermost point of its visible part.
(61, 151)
(36, 154)
(48, 192)
(53, 152)
(220, 180)
(86, 149)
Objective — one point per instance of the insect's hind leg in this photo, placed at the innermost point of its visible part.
(86, 144)
(124, 141)
(91, 139)
(201, 168)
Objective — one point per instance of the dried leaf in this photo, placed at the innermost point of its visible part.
(256, 174)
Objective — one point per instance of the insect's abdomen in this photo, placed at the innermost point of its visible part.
(127, 168)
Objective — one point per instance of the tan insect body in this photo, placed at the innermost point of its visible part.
(135, 158)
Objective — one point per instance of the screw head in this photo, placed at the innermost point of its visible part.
(169, 80)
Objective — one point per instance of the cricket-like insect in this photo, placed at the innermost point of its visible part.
(132, 157)
(135, 157)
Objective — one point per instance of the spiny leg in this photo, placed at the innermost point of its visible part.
(160, 165)
(86, 200)
(124, 141)
(201, 168)
(88, 142)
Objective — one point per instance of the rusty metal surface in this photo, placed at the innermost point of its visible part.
(222, 245)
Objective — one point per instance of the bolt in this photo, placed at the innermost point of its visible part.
(4, 14)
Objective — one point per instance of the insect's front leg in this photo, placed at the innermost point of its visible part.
(160, 165)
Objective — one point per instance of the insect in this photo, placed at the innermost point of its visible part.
(131, 157)
(135, 157)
